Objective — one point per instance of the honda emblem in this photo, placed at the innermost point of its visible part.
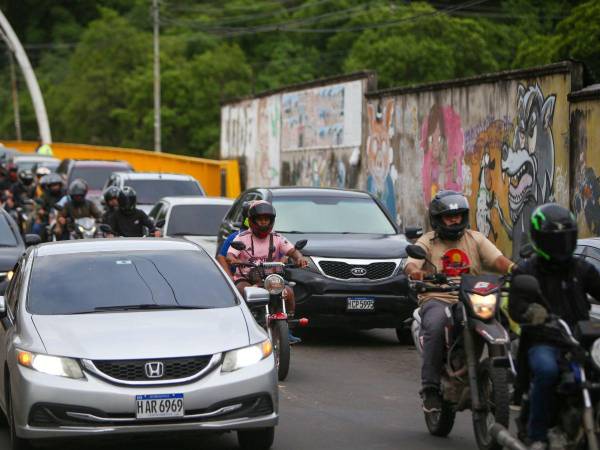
(154, 369)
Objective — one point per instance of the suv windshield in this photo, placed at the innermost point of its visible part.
(88, 282)
(196, 220)
(94, 176)
(330, 215)
(150, 191)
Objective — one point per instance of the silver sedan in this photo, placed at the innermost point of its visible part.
(116, 336)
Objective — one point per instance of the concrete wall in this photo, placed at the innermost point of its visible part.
(585, 158)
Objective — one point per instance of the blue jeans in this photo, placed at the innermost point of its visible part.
(543, 363)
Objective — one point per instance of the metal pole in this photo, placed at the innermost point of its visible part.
(157, 137)
(30, 79)
(15, 95)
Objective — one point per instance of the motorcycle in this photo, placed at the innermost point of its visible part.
(575, 424)
(272, 276)
(82, 228)
(477, 360)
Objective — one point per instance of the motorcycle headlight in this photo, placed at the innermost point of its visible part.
(595, 352)
(274, 284)
(484, 306)
(244, 357)
(51, 365)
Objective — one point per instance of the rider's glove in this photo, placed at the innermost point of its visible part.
(535, 314)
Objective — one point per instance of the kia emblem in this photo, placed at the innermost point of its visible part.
(154, 369)
(358, 271)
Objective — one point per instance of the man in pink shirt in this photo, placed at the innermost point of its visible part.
(262, 244)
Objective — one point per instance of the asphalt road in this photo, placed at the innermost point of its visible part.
(345, 391)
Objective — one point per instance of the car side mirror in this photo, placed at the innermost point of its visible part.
(256, 296)
(301, 244)
(239, 246)
(2, 307)
(160, 223)
(32, 239)
(416, 252)
(413, 233)
(528, 286)
(105, 228)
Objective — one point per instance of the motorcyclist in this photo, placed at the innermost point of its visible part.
(263, 244)
(129, 221)
(52, 191)
(222, 256)
(5, 182)
(40, 173)
(449, 219)
(77, 207)
(565, 281)
(111, 203)
(24, 189)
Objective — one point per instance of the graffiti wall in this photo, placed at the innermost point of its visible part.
(503, 144)
(585, 145)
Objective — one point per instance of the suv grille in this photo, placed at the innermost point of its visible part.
(134, 370)
(374, 271)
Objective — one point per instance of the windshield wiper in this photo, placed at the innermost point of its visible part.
(145, 306)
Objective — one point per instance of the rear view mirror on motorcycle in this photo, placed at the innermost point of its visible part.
(528, 286)
(413, 233)
(526, 251)
(105, 228)
(416, 252)
(301, 244)
(239, 246)
(160, 223)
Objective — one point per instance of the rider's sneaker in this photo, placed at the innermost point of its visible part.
(293, 339)
(432, 400)
(538, 445)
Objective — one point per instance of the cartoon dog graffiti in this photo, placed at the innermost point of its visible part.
(528, 162)
(380, 156)
(486, 197)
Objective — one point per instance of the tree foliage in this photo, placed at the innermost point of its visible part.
(94, 57)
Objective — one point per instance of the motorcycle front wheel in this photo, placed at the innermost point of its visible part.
(281, 347)
(441, 423)
(495, 398)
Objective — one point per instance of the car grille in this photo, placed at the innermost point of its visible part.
(372, 271)
(134, 370)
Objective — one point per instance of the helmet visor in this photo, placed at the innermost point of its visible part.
(555, 246)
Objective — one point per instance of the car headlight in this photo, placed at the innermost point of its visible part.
(484, 306)
(51, 365)
(275, 284)
(244, 357)
(596, 353)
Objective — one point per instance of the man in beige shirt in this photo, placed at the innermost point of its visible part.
(449, 218)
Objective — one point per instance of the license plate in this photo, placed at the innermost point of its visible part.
(360, 304)
(159, 406)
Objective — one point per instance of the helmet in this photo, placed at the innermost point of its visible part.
(111, 192)
(449, 203)
(553, 233)
(127, 199)
(78, 190)
(41, 171)
(26, 177)
(261, 208)
(52, 179)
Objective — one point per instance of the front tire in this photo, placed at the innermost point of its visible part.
(261, 439)
(441, 423)
(281, 347)
(495, 397)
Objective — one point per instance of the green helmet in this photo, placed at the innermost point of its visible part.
(553, 233)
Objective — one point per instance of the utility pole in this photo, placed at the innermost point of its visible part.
(157, 137)
(15, 94)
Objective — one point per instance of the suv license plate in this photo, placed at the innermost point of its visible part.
(361, 304)
(159, 406)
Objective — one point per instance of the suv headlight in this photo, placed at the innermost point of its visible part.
(596, 353)
(51, 365)
(244, 357)
(484, 306)
(274, 283)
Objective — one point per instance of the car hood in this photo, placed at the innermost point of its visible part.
(360, 246)
(9, 257)
(143, 334)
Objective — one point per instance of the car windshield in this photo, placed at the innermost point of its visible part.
(7, 237)
(89, 282)
(150, 191)
(94, 176)
(330, 214)
(197, 220)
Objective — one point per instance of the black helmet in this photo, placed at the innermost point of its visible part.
(26, 177)
(127, 199)
(78, 190)
(261, 208)
(111, 193)
(553, 233)
(449, 203)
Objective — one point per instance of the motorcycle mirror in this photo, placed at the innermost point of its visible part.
(526, 251)
(416, 252)
(239, 246)
(527, 285)
(160, 223)
(105, 228)
(413, 233)
(301, 244)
